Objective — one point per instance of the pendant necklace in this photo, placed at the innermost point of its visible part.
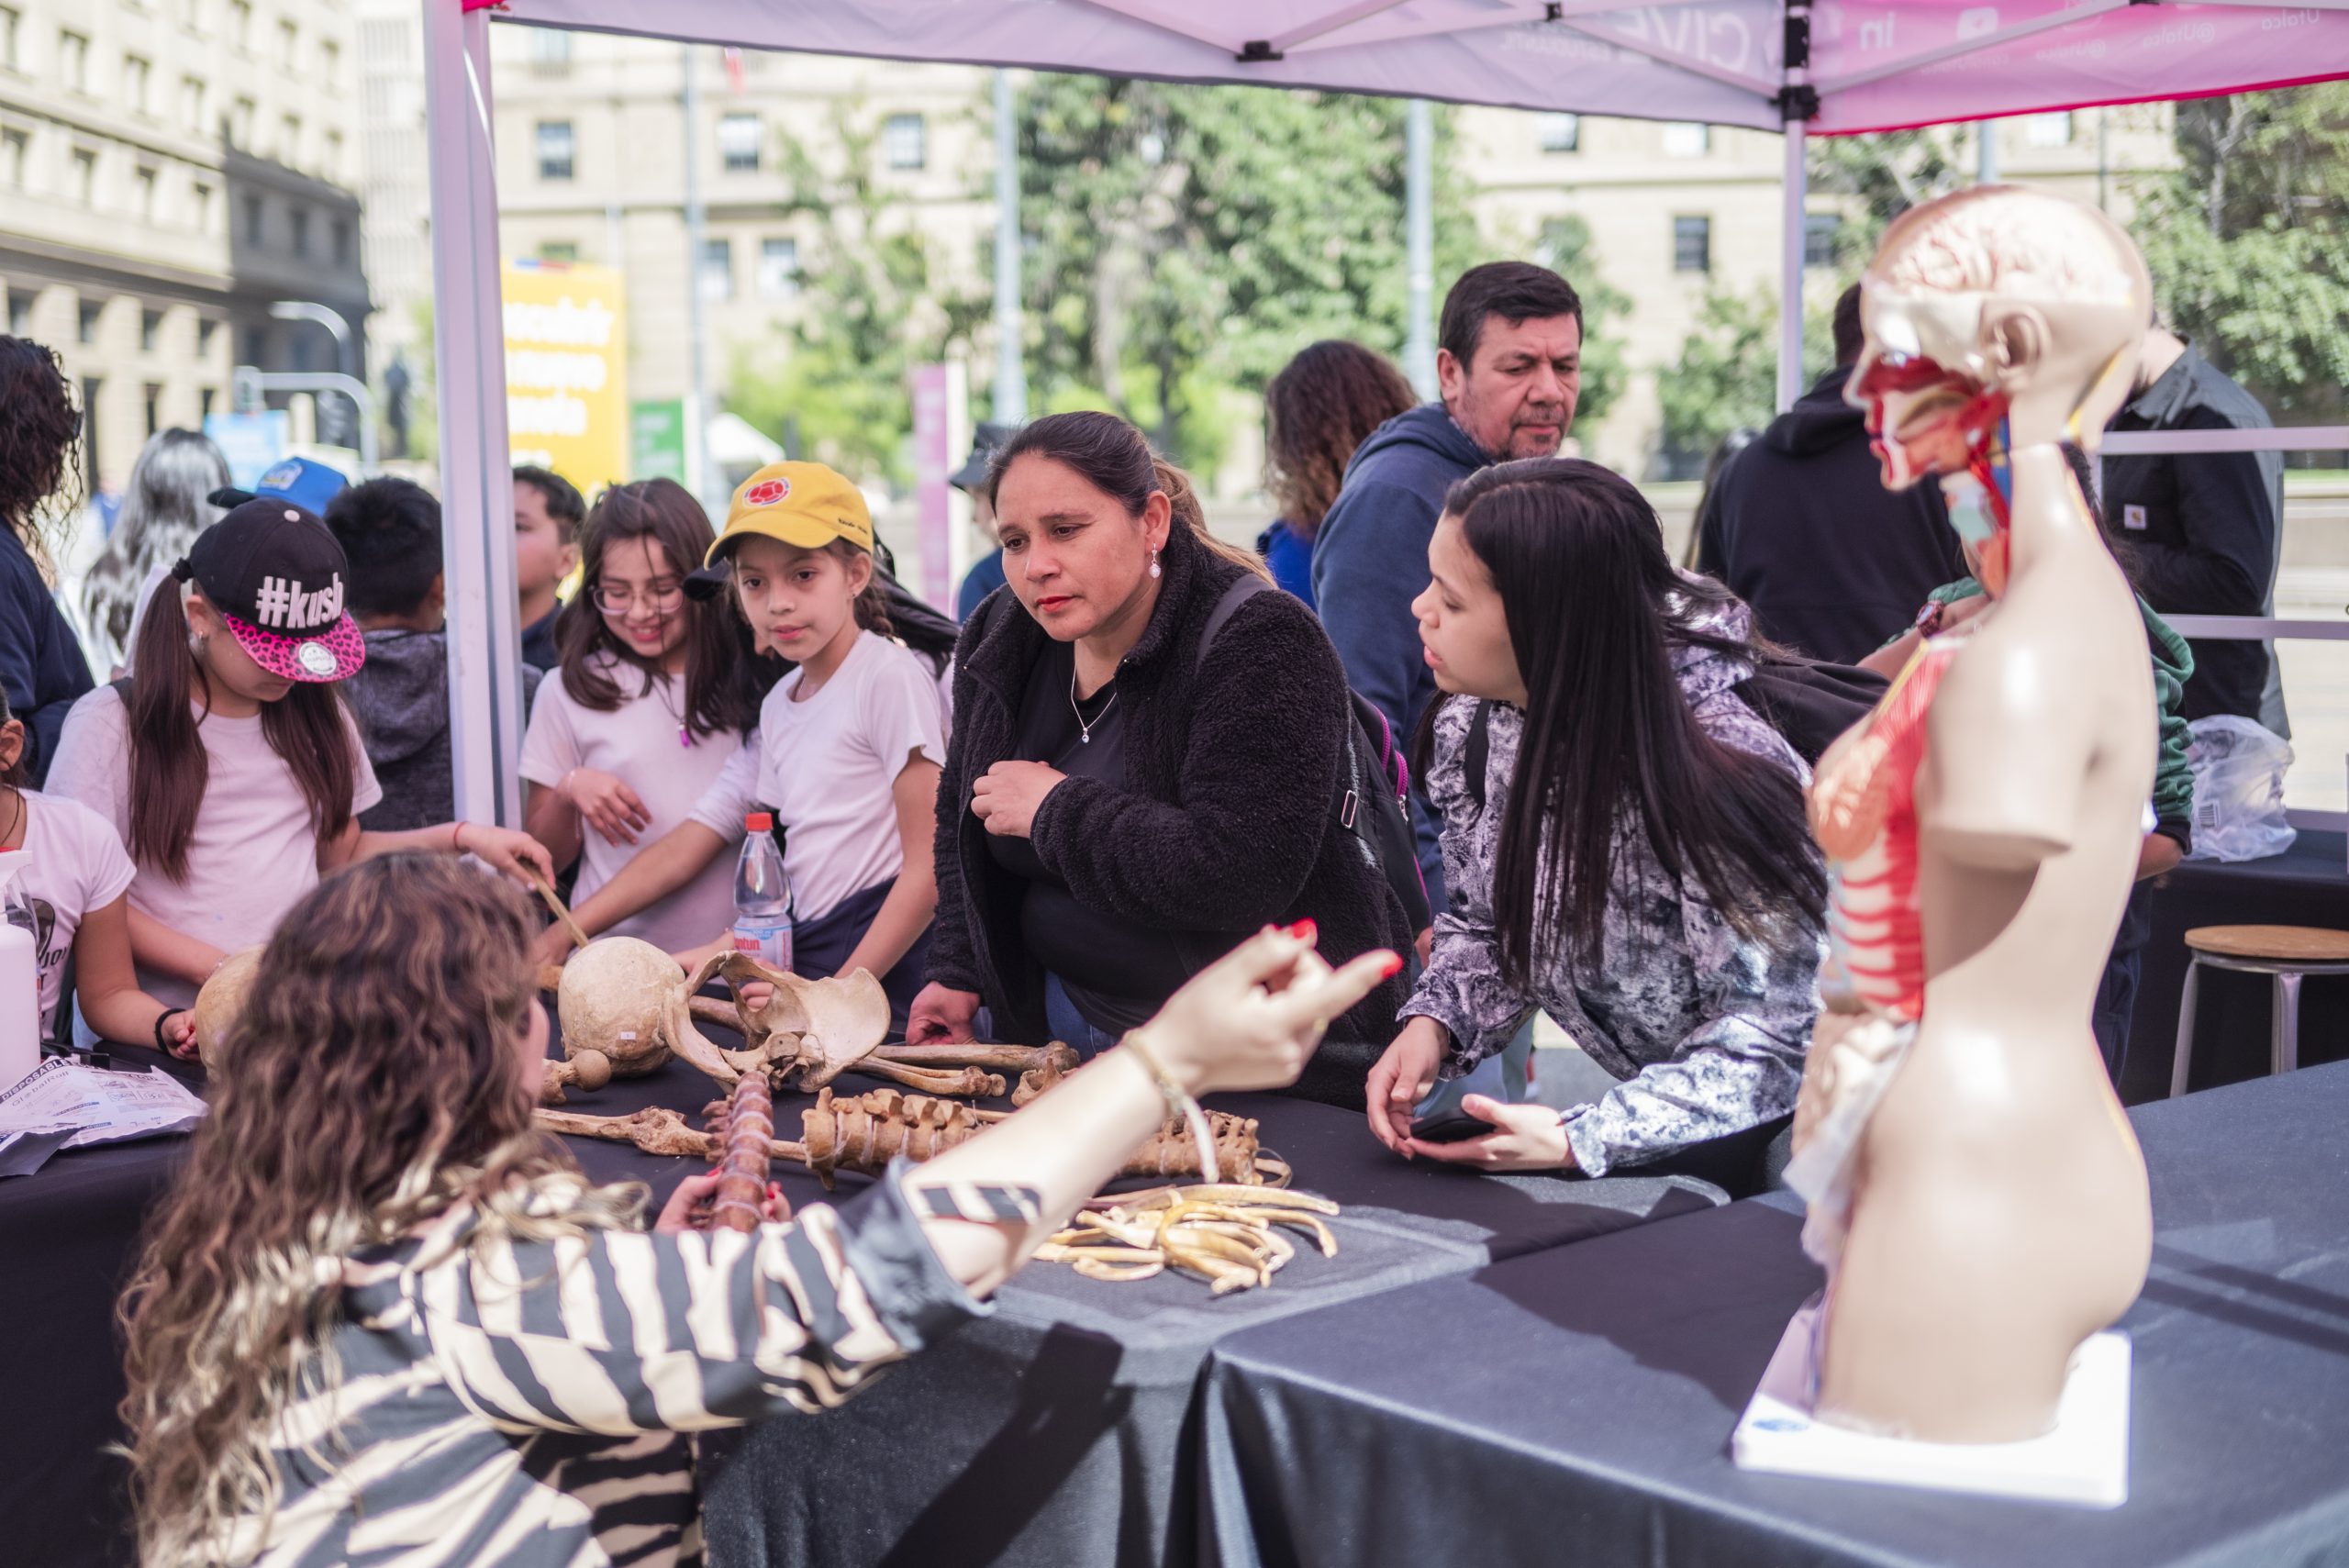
(1085, 730)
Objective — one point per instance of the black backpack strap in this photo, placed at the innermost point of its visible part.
(1244, 587)
(1478, 751)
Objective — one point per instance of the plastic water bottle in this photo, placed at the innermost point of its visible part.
(762, 895)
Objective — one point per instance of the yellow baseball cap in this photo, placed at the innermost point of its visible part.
(805, 505)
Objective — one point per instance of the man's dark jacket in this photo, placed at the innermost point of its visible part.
(1801, 528)
(2201, 531)
(1226, 822)
(1370, 561)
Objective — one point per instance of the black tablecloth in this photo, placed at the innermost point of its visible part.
(1586, 1395)
(2308, 885)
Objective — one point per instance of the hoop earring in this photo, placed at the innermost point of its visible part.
(1153, 563)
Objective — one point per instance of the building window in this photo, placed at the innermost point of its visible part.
(135, 73)
(150, 329)
(778, 268)
(2047, 130)
(205, 398)
(200, 197)
(289, 142)
(16, 147)
(204, 329)
(332, 167)
(329, 62)
(254, 227)
(289, 43)
(906, 139)
(717, 268)
(559, 251)
(555, 150)
(85, 176)
(154, 407)
(240, 23)
(298, 226)
(551, 47)
(240, 124)
(1687, 138)
(87, 322)
(739, 137)
(143, 182)
(1560, 133)
(256, 345)
(10, 20)
(341, 232)
(192, 14)
(1692, 244)
(73, 61)
(1822, 235)
(191, 103)
(20, 313)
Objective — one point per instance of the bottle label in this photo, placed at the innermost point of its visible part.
(770, 944)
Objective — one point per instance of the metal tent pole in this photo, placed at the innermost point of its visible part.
(1797, 103)
(476, 483)
(1010, 370)
(1418, 224)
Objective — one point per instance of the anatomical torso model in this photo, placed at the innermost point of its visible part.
(1977, 1195)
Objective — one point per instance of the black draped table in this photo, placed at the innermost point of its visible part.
(1575, 1406)
(1072, 1382)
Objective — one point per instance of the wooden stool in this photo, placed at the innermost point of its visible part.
(2287, 954)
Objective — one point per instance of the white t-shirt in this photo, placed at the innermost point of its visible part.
(77, 865)
(638, 743)
(253, 854)
(826, 768)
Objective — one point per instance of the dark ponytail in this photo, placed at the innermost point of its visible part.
(1114, 458)
(169, 769)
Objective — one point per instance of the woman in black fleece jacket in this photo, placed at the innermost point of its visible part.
(1130, 871)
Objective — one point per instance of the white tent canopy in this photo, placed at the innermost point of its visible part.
(1835, 67)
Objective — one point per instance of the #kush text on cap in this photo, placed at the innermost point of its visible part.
(276, 575)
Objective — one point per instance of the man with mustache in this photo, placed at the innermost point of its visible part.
(1510, 367)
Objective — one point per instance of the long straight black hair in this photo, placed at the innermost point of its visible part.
(1595, 613)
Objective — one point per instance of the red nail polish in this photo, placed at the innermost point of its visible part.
(1304, 931)
(1392, 967)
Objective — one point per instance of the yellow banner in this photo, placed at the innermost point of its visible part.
(566, 371)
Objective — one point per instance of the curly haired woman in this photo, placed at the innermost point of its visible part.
(41, 666)
(1317, 411)
(380, 1317)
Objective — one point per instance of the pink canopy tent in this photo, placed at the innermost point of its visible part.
(1790, 65)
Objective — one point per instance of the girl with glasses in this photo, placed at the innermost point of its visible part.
(653, 694)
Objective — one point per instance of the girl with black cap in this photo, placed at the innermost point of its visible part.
(227, 762)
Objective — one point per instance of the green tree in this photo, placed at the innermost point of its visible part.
(1184, 240)
(2248, 241)
(1726, 377)
(874, 304)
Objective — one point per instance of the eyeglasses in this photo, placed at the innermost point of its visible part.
(619, 601)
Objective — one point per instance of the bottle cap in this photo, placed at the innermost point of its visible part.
(759, 822)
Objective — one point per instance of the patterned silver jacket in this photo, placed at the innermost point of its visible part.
(1705, 1030)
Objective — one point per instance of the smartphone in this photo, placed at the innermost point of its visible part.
(1449, 1125)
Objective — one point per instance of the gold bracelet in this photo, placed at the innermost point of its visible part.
(1180, 1102)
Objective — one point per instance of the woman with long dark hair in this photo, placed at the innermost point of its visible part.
(228, 763)
(1624, 840)
(1124, 798)
(654, 694)
(41, 666)
(379, 1316)
(1317, 411)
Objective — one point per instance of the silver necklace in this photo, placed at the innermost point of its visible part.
(1085, 730)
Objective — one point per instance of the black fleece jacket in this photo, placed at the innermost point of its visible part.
(1225, 822)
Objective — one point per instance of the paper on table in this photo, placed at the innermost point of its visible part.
(100, 1107)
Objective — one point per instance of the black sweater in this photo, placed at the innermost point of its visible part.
(1226, 820)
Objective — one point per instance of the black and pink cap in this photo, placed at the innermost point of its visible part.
(276, 574)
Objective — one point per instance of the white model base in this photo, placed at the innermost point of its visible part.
(2085, 1460)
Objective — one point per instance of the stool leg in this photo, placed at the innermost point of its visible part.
(2287, 1027)
(2185, 1054)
